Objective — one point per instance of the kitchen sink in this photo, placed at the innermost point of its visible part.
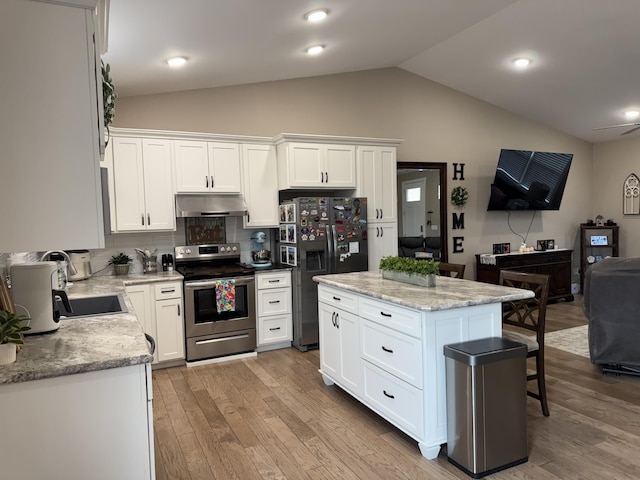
(92, 306)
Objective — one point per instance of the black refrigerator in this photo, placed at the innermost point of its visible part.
(318, 236)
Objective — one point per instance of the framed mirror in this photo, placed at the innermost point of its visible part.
(422, 204)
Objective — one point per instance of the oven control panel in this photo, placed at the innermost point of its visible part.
(200, 252)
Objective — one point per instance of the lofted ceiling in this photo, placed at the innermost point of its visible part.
(585, 69)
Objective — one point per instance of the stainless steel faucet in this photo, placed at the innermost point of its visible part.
(72, 267)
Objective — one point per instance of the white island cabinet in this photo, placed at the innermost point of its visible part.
(382, 341)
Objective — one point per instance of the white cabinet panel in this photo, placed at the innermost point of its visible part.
(383, 242)
(224, 167)
(260, 185)
(192, 166)
(203, 167)
(376, 170)
(316, 165)
(49, 128)
(143, 194)
(170, 329)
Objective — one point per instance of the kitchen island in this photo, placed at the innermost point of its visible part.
(77, 401)
(382, 341)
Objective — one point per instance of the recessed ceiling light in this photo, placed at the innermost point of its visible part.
(176, 61)
(522, 62)
(631, 114)
(316, 15)
(315, 50)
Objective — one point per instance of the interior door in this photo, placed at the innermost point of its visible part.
(413, 207)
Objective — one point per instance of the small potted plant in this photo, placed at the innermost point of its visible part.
(120, 263)
(410, 270)
(11, 335)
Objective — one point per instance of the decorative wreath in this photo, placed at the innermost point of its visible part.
(459, 196)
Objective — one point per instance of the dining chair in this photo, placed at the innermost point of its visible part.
(528, 314)
(449, 269)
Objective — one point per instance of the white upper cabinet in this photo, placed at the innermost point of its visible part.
(260, 185)
(143, 194)
(207, 167)
(316, 165)
(376, 181)
(49, 128)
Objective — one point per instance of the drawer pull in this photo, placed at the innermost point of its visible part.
(274, 281)
(388, 394)
(274, 329)
(387, 349)
(385, 314)
(274, 301)
(337, 299)
(168, 291)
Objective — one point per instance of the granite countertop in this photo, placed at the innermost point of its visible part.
(447, 294)
(90, 343)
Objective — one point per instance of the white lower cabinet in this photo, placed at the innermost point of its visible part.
(159, 310)
(339, 352)
(390, 357)
(96, 425)
(274, 310)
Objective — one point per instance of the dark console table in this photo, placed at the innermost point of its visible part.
(555, 263)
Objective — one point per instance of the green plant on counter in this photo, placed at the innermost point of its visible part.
(410, 265)
(120, 259)
(11, 328)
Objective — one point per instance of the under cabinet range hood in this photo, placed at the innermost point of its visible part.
(210, 205)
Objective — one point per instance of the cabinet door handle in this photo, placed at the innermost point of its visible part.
(381, 232)
(206, 180)
(385, 314)
(179, 310)
(274, 329)
(211, 181)
(142, 219)
(148, 219)
(321, 177)
(274, 301)
(333, 318)
(388, 394)
(337, 320)
(337, 299)
(387, 349)
(326, 176)
(381, 213)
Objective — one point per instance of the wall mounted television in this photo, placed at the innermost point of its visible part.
(527, 180)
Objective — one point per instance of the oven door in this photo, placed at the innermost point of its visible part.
(201, 312)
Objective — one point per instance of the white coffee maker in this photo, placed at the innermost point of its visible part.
(34, 286)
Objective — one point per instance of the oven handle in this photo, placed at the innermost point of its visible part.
(223, 339)
(212, 283)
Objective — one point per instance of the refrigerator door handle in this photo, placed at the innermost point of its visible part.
(329, 241)
(334, 241)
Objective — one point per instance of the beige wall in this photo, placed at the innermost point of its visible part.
(438, 124)
(613, 162)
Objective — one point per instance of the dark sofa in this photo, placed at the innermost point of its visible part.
(408, 246)
(612, 305)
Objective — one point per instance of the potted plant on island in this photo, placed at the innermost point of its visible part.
(410, 270)
(11, 335)
(120, 263)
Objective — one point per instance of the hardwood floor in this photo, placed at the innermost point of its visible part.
(272, 417)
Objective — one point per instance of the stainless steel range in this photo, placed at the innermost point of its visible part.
(219, 296)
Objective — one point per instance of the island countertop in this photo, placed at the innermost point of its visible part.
(89, 343)
(447, 294)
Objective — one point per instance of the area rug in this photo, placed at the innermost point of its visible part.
(573, 340)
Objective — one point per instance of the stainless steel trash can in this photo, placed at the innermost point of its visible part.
(486, 405)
